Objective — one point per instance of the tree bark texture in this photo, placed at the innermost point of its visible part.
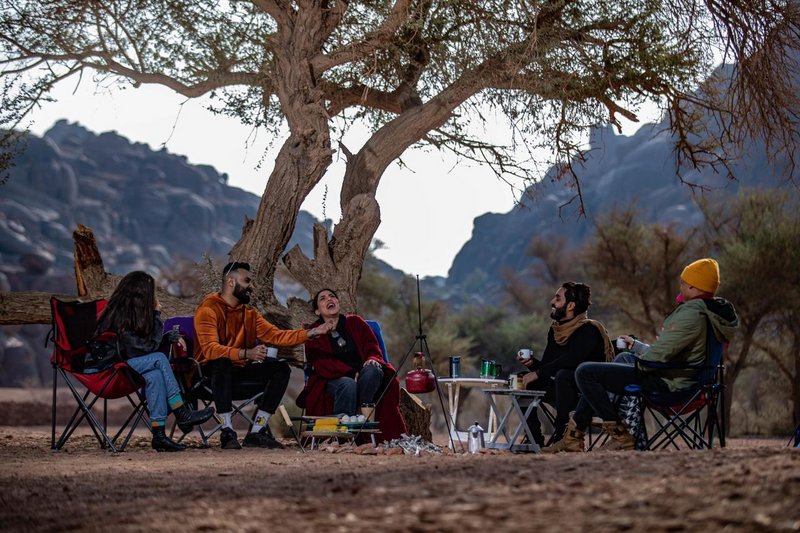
(416, 414)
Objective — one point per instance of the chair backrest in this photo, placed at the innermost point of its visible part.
(376, 329)
(186, 327)
(715, 351)
(73, 325)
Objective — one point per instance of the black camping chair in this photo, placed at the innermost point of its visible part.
(692, 416)
(196, 386)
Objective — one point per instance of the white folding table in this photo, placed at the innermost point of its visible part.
(453, 397)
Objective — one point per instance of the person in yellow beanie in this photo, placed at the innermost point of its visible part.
(682, 342)
(703, 274)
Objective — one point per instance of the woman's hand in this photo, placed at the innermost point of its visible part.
(371, 362)
(158, 305)
(530, 377)
(182, 344)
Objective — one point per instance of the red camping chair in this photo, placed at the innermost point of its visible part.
(73, 325)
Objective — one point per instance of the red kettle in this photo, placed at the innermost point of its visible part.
(420, 380)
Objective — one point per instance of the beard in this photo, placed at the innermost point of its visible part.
(559, 313)
(242, 294)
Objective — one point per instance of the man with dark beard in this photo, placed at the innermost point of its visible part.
(231, 344)
(573, 339)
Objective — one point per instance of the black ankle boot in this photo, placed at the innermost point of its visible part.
(162, 443)
(187, 418)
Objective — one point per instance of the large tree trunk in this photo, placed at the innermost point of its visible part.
(302, 161)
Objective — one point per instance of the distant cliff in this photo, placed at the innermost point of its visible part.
(620, 170)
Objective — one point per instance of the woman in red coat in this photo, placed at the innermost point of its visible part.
(348, 370)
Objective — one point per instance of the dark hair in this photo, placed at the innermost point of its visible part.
(131, 306)
(314, 305)
(578, 293)
(233, 267)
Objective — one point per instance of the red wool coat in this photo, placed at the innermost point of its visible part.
(319, 354)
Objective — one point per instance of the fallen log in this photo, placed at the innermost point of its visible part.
(92, 281)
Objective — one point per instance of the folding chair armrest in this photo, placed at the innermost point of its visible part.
(672, 366)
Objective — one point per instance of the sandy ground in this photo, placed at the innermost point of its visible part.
(752, 485)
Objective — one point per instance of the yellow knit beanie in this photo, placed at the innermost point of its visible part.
(702, 274)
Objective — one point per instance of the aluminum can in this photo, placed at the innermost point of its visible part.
(455, 366)
(485, 370)
(520, 382)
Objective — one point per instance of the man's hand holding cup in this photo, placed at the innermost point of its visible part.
(255, 354)
(525, 356)
(624, 342)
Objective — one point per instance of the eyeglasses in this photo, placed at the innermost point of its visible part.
(339, 339)
(236, 265)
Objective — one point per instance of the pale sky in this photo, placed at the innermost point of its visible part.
(427, 207)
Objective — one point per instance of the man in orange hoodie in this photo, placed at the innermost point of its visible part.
(231, 344)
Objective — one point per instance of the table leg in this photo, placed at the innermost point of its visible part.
(501, 426)
(523, 425)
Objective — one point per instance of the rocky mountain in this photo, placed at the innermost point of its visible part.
(147, 208)
(619, 171)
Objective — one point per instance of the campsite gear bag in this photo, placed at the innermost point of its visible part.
(103, 353)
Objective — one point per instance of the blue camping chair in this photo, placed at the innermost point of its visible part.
(692, 416)
(301, 435)
(376, 329)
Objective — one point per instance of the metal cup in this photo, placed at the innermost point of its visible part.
(455, 366)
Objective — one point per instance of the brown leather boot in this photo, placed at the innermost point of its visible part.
(572, 441)
(621, 439)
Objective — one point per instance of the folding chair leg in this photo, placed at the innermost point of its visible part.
(53, 410)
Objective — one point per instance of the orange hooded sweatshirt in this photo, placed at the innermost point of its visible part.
(222, 330)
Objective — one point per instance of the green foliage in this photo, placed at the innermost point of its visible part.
(636, 266)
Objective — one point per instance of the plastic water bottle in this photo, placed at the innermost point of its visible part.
(172, 350)
(475, 438)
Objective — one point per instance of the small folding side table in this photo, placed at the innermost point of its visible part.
(513, 412)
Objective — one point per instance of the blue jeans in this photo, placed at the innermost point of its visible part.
(160, 383)
(349, 393)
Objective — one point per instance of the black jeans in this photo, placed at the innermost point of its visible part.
(561, 392)
(597, 380)
(229, 382)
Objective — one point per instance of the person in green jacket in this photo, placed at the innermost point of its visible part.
(682, 340)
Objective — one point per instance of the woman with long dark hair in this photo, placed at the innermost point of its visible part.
(134, 314)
